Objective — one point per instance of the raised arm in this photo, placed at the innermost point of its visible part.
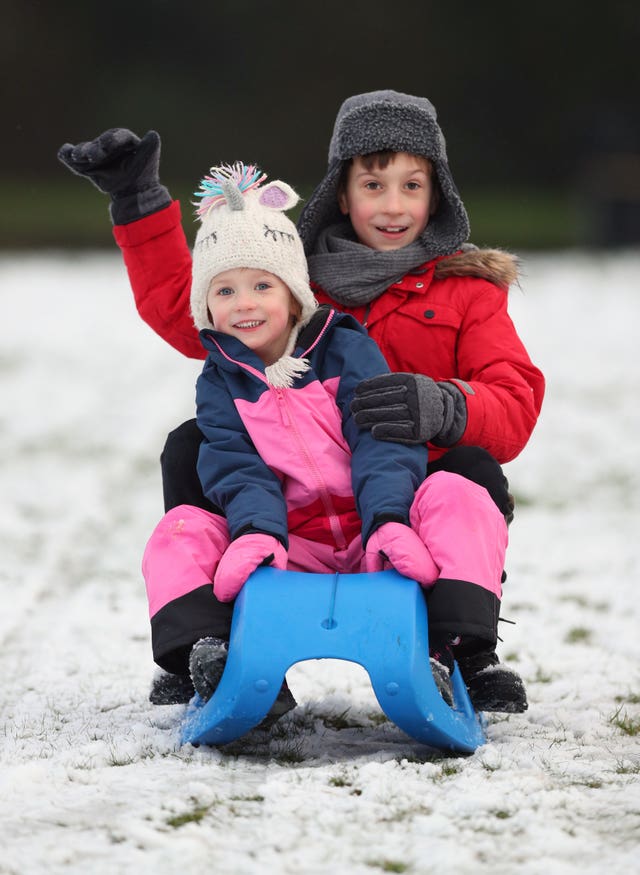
(147, 228)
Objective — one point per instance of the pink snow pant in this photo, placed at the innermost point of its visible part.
(455, 518)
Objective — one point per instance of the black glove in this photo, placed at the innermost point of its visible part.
(410, 409)
(121, 164)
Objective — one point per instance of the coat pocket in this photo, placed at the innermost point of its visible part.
(421, 337)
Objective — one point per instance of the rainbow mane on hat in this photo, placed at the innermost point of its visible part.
(214, 188)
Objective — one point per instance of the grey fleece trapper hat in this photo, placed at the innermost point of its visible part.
(374, 122)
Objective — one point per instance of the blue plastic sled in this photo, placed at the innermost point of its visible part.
(376, 620)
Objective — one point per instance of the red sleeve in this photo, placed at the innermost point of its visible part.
(158, 262)
(502, 386)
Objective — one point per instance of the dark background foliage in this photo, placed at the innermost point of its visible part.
(536, 101)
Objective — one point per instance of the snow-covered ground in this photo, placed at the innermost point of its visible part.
(93, 779)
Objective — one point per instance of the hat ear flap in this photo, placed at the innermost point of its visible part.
(277, 196)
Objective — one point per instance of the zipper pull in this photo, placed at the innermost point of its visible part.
(282, 405)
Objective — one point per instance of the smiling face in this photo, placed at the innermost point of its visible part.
(389, 207)
(256, 307)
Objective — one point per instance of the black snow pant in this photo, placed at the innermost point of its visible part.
(202, 612)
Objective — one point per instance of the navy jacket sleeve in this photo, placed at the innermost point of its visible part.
(385, 475)
(232, 474)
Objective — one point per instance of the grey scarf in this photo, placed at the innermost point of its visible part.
(353, 274)
(380, 120)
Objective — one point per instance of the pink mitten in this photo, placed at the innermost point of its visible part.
(398, 546)
(243, 556)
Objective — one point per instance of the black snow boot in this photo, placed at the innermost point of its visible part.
(170, 689)
(206, 664)
(491, 685)
(441, 660)
(283, 703)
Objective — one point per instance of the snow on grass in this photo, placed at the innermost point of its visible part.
(93, 778)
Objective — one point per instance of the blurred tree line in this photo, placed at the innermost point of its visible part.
(533, 100)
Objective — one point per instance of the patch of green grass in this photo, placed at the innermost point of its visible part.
(541, 676)
(339, 781)
(523, 500)
(337, 721)
(283, 742)
(580, 600)
(289, 751)
(194, 816)
(377, 718)
(404, 760)
(565, 574)
(388, 865)
(118, 758)
(344, 781)
(571, 598)
(628, 768)
(341, 721)
(626, 724)
(405, 814)
(578, 635)
(523, 607)
(631, 699)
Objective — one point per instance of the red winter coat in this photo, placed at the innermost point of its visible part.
(447, 320)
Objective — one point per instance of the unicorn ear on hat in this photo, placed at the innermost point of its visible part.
(230, 184)
(277, 195)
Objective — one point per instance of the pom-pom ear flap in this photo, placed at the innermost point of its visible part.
(278, 196)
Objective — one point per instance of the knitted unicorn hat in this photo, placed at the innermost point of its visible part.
(243, 225)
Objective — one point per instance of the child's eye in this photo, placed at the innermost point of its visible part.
(262, 287)
(413, 186)
(372, 185)
(225, 290)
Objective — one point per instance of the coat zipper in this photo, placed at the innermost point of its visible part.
(325, 496)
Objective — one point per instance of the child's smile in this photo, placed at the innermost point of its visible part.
(393, 232)
(253, 324)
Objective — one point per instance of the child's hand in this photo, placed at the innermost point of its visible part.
(410, 409)
(241, 558)
(121, 164)
(398, 546)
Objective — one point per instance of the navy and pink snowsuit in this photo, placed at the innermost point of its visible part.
(291, 463)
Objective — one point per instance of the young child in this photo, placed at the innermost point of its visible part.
(385, 233)
(300, 485)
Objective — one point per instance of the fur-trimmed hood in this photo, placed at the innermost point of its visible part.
(494, 265)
